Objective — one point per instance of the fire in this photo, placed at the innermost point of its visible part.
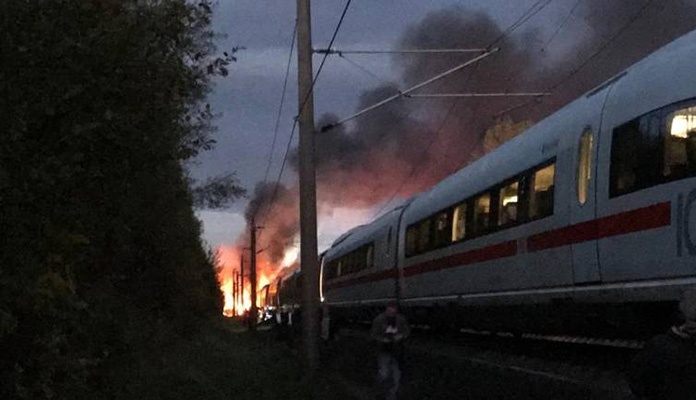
(228, 270)
(290, 257)
(227, 289)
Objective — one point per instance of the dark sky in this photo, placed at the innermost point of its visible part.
(563, 36)
(248, 99)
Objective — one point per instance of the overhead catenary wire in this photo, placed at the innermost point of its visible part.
(528, 14)
(561, 25)
(323, 60)
(582, 65)
(522, 19)
(282, 101)
(465, 95)
(270, 204)
(365, 70)
(401, 51)
(411, 89)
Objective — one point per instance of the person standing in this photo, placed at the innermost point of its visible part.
(389, 330)
(666, 367)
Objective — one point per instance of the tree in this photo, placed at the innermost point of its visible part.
(218, 192)
(101, 103)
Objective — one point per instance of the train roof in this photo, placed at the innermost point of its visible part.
(363, 234)
(541, 141)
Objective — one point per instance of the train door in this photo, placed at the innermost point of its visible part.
(584, 208)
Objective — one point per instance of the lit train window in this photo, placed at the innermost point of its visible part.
(584, 165)
(680, 143)
(507, 203)
(459, 222)
(541, 192)
(654, 148)
(482, 212)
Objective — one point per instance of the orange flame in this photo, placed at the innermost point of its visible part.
(227, 270)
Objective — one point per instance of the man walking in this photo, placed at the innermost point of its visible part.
(390, 329)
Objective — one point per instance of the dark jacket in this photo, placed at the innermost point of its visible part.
(665, 368)
(390, 332)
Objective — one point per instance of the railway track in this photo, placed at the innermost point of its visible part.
(592, 365)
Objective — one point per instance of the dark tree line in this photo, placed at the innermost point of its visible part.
(101, 104)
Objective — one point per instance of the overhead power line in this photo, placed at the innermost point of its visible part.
(363, 69)
(411, 89)
(282, 101)
(465, 95)
(587, 61)
(323, 60)
(526, 16)
(562, 24)
(269, 208)
(529, 13)
(402, 51)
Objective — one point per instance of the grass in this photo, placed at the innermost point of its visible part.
(220, 362)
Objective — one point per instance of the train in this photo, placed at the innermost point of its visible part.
(583, 224)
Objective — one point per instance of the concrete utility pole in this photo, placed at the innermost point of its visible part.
(241, 282)
(252, 278)
(234, 292)
(309, 259)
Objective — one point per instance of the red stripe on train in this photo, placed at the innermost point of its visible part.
(488, 253)
(641, 219)
(376, 276)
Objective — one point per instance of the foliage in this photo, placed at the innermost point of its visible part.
(101, 103)
(219, 362)
(217, 192)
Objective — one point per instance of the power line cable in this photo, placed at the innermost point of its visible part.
(521, 20)
(528, 14)
(323, 60)
(282, 100)
(301, 108)
(365, 70)
(561, 25)
(587, 61)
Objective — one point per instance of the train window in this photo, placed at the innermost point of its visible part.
(507, 203)
(636, 150)
(424, 242)
(459, 222)
(482, 211)
(541, 192)
(584, 165)
(443, 229)
(357, 259)
(369, 256)
(680, 143)
(347, 264)
(411, 240)
(330, 270)
(339, 267)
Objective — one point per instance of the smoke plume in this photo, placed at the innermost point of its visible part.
(412, 143)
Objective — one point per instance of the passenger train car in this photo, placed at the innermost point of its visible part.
(584, 221)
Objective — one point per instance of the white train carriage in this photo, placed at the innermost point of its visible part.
(361, 265)
(587, 216)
